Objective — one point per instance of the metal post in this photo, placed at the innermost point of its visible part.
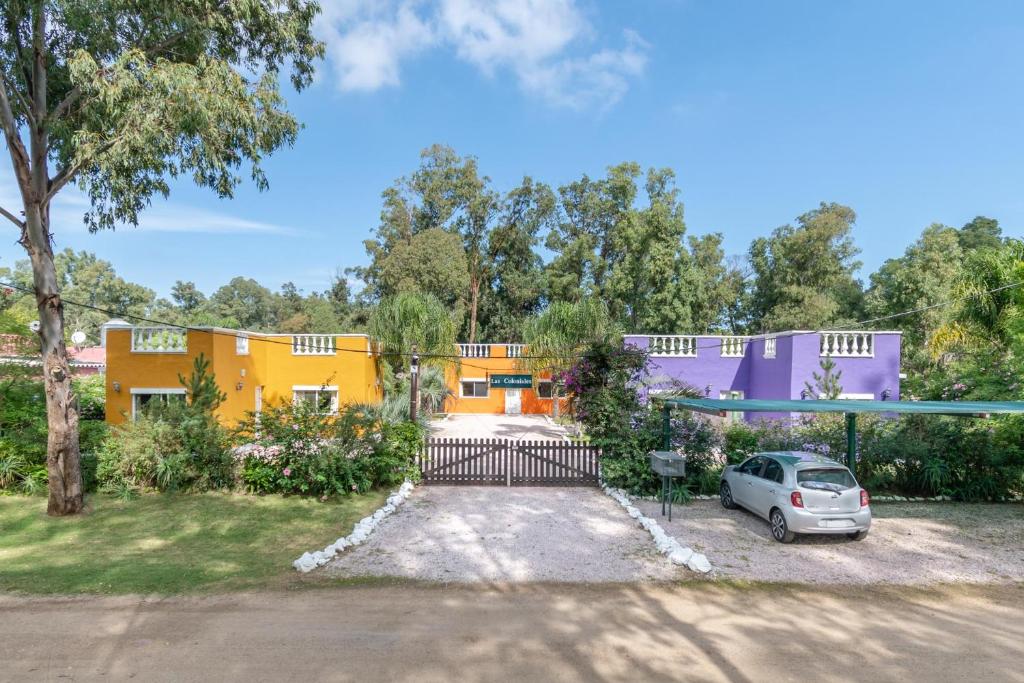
(851, 442)
(666, 426)
(414, 385)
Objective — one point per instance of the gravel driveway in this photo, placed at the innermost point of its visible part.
(496, 534)
(519, 427)
(915, 543)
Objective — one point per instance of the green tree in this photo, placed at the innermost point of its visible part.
(244, 303)
(558, 336)
(924, 276)
(980, 233)
(187, 296)
(516, 288)
(803, 275)
(826, 383)
(446, 194)
(583, 241)
(118, 97)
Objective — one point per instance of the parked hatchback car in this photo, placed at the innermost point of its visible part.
(798, 493)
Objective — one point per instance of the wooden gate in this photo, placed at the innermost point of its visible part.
(507, 462)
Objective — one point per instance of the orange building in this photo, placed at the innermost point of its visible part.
(492, 379)
(253, 369)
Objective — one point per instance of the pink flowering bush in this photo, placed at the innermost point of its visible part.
(295, 449)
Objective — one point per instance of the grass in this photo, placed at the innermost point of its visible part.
(167, 544)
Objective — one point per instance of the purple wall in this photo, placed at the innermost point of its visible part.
(797, 357)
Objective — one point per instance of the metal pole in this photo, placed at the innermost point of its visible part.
(666, 426)
(851, 442)
(414, 385)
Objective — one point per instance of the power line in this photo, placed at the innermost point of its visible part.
(266, 340)
(572, 354)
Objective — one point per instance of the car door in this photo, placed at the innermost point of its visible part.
(746, 475)
(764, 489)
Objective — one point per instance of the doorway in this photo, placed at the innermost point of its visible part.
(513, 401)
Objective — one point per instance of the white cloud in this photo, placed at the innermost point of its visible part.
(164, 216)
(546, 45)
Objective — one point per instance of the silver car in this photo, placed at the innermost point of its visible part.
(798, 493)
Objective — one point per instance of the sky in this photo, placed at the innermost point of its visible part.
(910, 112)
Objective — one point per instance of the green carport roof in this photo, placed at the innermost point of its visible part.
(722, 406)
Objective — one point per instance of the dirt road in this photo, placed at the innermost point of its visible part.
(527, 632)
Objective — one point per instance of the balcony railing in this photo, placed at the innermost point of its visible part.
(769, 347)
(314, 345)
(514, 350)
(159, 340)
(848, 344)
(475, 350)
(734, 347)
(675, 346)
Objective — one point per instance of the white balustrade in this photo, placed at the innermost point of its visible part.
(475, 350)
(314, 345)
(734, 347)
(513, 350)
(769, 347)
(159, 340)
(848, 344)
(674, 345)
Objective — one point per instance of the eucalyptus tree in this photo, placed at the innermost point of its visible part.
(119, 97)
(557, 337)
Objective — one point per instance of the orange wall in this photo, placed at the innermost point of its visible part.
(494, 403)
(269, 363)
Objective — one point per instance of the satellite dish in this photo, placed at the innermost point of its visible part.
(34, 326)
(78, 338)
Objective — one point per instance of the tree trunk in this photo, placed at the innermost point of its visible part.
(474, 302)
(62, 455)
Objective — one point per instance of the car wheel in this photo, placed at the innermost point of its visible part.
(780, 530)
(857, 535)
(725, 494)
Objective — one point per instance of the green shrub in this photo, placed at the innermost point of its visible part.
(171, 447)
(293, 449)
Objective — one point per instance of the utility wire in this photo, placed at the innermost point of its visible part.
(571, 353)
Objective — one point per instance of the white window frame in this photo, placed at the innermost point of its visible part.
(154, 391)
(317, 388)
(728, 395)
(241, 344)
(551, 390)
(475, 380)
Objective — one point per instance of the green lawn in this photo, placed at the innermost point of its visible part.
(165, 544)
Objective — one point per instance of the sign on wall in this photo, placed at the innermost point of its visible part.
(511, 381)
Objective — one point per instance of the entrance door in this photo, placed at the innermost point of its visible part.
(513, 401)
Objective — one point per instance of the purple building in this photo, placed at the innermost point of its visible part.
(774, 366)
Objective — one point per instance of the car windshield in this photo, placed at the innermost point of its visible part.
(831, 479)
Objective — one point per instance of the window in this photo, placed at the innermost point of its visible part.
(142, 398)
(323, 400)
(832, 477)
(732, 415)
(752, 466)
(242, 345)
(773, 471)
(544, 389)
(474, 388)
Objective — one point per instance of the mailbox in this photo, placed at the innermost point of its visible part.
(668, 463)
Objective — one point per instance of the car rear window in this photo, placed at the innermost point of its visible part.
(833, 475)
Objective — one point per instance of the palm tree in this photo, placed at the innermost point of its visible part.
(557, 337)
(409, 320)
(990, 302)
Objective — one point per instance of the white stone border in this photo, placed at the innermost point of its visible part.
(362, 530)
(668, 546)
